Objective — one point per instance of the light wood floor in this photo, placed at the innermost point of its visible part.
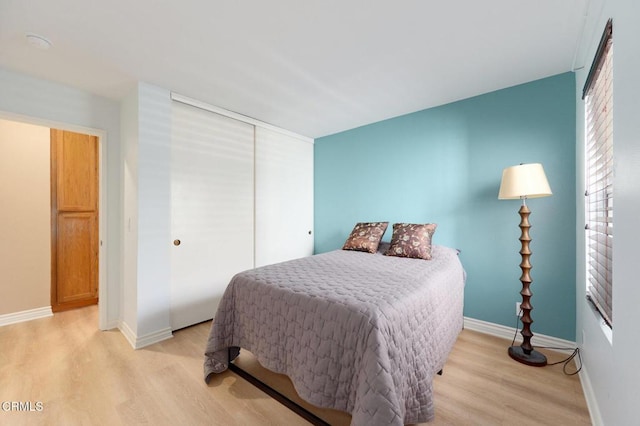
(85, 376)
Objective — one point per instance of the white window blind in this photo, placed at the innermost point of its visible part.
(598, 96)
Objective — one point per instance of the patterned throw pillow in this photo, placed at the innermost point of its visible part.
(366, 236)
(411, 240)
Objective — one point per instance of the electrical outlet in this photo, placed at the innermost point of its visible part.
(518, 313)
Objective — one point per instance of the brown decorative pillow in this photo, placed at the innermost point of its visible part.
(366, 236)
(411, 240)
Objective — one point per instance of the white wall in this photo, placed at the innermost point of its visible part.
(610, 375)
(154, 210)
(37, 101)
(129, 251)
(146, 148)
(25, 189)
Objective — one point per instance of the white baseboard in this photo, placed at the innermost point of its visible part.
(508, 333)
(127, 333)
(590, 397)
(138, 342)
(27, 315)
(155, 337)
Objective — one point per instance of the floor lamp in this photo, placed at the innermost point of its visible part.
(522, 182)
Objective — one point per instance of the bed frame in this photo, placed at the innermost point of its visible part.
(296, 408)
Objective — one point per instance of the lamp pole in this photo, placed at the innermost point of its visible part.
(525, 352)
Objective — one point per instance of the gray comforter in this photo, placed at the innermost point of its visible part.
(358, 332)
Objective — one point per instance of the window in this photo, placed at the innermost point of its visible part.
(598, 97)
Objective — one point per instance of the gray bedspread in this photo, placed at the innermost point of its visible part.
(358, 332)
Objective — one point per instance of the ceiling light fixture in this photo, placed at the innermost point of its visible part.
(38, 41)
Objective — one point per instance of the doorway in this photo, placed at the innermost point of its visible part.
(32, 301)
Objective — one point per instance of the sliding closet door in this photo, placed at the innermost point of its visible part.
(284, 196)
(212, 206)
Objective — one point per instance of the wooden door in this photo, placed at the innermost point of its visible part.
(74, 220)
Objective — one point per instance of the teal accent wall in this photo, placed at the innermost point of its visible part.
(444, 165)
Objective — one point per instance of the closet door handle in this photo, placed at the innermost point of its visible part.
(176, 242)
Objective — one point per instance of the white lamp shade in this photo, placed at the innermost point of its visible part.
(524, 181)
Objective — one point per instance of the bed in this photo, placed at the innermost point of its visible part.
(359, 332)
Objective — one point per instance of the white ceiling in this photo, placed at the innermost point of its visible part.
(312, 67)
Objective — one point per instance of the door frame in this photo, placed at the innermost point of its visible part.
(103, 289)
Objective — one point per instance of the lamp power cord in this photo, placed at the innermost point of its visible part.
(565, 362)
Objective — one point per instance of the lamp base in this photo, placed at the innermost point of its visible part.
(535, 358)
